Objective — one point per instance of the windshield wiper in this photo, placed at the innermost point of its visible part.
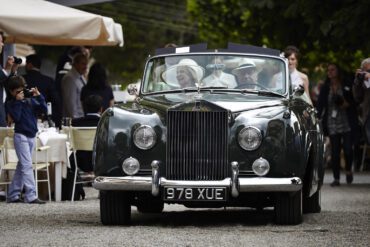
(260, 92)
(269, 93)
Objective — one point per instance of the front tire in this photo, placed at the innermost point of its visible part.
(312, 204)
(115, 208)
(288, 208)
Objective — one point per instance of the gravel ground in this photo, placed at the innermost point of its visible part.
(344, 221)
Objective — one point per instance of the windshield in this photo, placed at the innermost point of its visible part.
(230, 72)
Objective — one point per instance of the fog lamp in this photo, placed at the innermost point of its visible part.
(261, 167)
(130, 166)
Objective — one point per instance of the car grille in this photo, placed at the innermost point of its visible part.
(197, 146)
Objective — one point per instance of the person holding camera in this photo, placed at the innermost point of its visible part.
(23, 106)
(361, 92)
(337, 110)
(9, 69)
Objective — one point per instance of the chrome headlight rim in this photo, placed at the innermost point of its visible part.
(241, 133)
(128, 166)
(153, 135)
(261, 166)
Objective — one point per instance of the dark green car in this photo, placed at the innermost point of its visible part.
(211, 128)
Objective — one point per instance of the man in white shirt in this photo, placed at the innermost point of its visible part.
(218, 78)
(71, 85)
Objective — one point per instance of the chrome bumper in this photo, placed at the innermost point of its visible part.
(235, 184)
(132, 183)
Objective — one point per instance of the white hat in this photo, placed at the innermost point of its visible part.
(244, 64)
(189, 63)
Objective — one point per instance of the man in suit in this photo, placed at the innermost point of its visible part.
(9, 69)
(93, 106)
(44, 84)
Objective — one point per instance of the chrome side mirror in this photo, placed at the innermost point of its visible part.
(132, 89)
(298, 90)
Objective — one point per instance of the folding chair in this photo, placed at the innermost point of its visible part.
(4, 177)
(81, 139)
(11, 160)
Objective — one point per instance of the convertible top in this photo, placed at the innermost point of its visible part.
(232, 47)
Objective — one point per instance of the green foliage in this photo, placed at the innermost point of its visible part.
(325, 31)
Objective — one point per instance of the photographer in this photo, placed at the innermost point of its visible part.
(361, 92)
(337, 110)
(22, 107)
(10, 68)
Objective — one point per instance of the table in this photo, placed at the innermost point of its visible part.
(58, 154)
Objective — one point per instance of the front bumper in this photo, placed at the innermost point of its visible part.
(235, 184)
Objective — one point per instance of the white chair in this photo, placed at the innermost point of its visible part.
(81, 139)
(38, 165)
(5, 178)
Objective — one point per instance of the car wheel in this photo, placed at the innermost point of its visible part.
(115, 208)
(147, 207)
(312, 204)
(288, 208)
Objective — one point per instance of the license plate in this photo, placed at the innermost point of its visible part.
(195, 194)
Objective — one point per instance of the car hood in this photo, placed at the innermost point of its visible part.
(232, 102)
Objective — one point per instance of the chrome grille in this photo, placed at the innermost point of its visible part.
(197, 145)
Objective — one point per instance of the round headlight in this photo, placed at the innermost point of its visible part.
(145, 137)
(250, 138)
(261, 167)
(130, 166)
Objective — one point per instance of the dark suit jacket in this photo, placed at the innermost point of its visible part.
(84, 158)
(46, 86)
(3, 78)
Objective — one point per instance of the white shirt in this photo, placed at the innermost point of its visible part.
(224, 80)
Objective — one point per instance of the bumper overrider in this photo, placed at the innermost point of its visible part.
(234, 183)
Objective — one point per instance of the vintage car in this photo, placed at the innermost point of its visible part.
(211, 128)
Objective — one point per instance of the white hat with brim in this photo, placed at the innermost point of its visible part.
(243, 66)
(186, 62)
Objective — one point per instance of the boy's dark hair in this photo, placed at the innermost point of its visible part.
(15, 82)
(92, 104)
(34, 59)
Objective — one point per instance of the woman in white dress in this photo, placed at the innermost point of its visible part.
(297, 77)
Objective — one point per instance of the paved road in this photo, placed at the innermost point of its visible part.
(344, 221)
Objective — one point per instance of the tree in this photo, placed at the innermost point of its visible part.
(332, 30)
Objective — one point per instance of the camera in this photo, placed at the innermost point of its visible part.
(360, 76)
(27, 93)
(17, 60)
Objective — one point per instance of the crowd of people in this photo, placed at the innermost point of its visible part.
(80, 92)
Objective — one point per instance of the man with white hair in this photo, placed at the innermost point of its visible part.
(361, 92)
(245, 74)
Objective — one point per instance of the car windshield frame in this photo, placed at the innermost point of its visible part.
(165, 74)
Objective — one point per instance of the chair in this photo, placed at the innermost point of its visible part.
(38, 164)
(81, 139)
(4, 132)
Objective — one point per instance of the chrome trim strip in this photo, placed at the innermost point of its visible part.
(234, 179)
(258, 184)
(155, 177)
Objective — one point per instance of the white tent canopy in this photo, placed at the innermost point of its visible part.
(40, 22)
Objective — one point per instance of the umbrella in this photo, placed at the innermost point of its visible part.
(41, 22)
